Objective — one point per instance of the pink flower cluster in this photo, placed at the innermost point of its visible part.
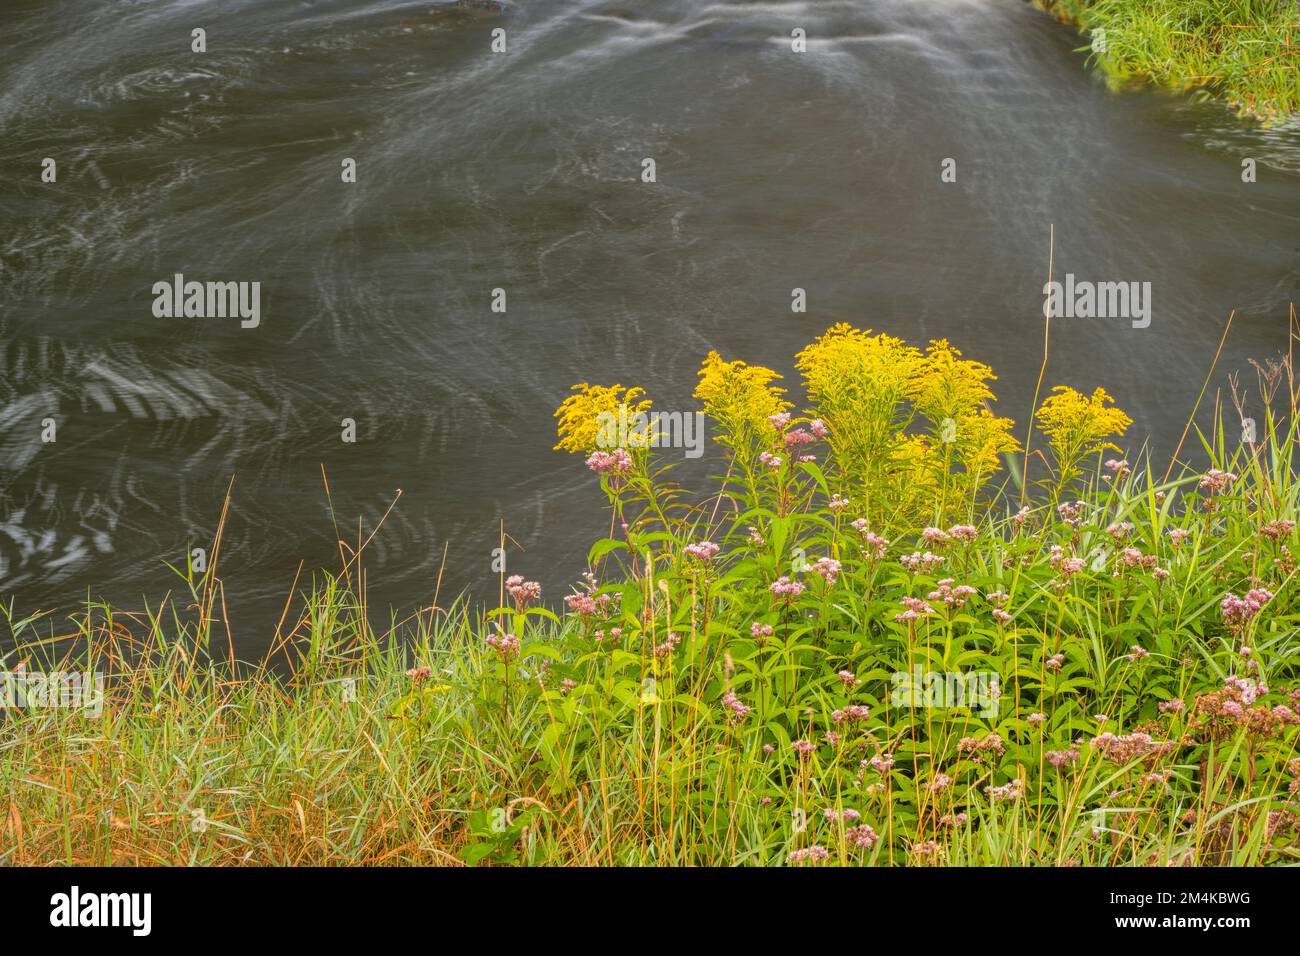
(954, 597)
(784, 587)
(524, 592)
(918, 561)
(506, 645)
(702, 550)
(1215, 482)
(828, 568)
(737, 710)
(916, 609)
(1238, 611)
(861, 837)
(1008, 791)
(809, 854)
(615, 464)
(853, 712)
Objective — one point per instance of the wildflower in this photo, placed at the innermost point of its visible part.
(742, 401)
(732, 704)
(963, 532)
(1062, 758)
(1119, 469)
(1173, 706)
(583, 604)
(837, 503)
(1035, 719)
(1128, 747)
(882, 761)
(784, 587)
(1071, 514)
(703, 550)
(524, 592)
(875, 544)
(818, 428)
(1178, 535)
(1138, 652)
(760, 630)
(916, 561)
(851, 713)
(768, 750)
(941, 781)
(419, 674)
(1238, 611)
(1021, 516)
(1277, 529)
(567, 685)
(1079, 426)
(506, 645)
(992, 743)
(1001, 616)
(832, 738)
(1246, 689)
(779, 421)
(616, 464)
(1160, 574)
(953, 597)
(953, 820)
(1008, 791)
(1119, 530)
(916, 608)
(810, 854)
(586, 416)
(841, 816)
(797, 438)
(667, 647)
(1055, 661)
(755, 537)
(769, 459)
(935, 536)
(861, 837)
(803, 747)
(828, 568)
(848, 678)
(1215, 481)
(928, 850)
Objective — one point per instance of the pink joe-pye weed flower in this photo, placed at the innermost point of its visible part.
(921, 561)
(784, 587)
(523, 592)
(1239, 611)
(506, 645)
(702, 550)
(828, 568)
(809, 854)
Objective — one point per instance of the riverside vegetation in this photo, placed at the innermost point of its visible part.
(898, 629)
(1242, 50)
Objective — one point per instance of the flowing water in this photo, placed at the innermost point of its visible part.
(522, 171)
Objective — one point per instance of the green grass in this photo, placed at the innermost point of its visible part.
(588, 746)
(1247, 51)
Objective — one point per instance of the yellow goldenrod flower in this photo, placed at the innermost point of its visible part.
(1078, 426)
(740, 398)
(587, 416)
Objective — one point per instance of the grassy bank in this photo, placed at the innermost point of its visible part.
(796, 667)
(1247, 51)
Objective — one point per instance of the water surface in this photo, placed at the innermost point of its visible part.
(522, 171)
